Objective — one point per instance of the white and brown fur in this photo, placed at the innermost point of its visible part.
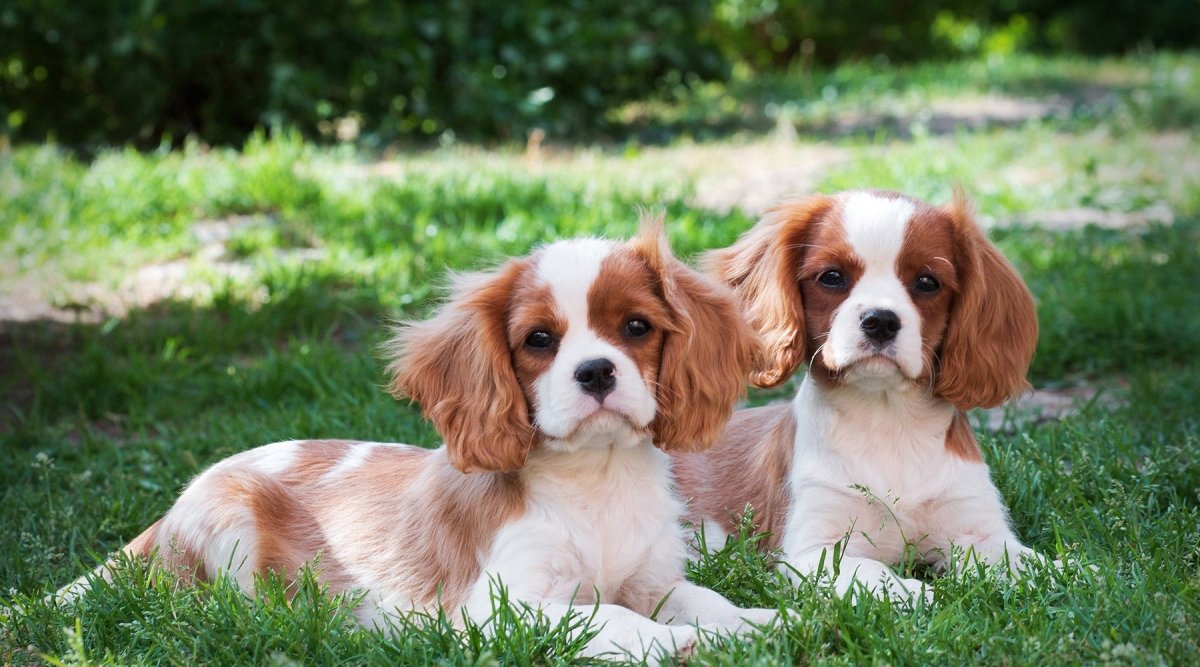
(875, 452)
(555, 484)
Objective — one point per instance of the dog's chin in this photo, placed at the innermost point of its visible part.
(602, 428)
(874, 372)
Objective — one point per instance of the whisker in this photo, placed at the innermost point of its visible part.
(818, 351)
(662, 390)
(933, 368)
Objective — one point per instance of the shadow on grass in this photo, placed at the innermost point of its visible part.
(106, 367)
(864, 102)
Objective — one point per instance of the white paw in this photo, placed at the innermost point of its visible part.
(675, 641)
(899, 590)
(759, 617)
(903, 591)
(681, 642)
(747, 621)
(1023, 560)
(1016, 564)
(1032, 559)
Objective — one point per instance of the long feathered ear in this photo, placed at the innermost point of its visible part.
(762, 268)
(708, 348)
(457, 365)
(993, 327)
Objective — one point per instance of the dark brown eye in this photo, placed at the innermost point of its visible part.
(637, 328)
(539, 340)
(926, 284)
(832, 279)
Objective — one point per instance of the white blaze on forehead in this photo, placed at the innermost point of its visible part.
(875, 225)
(569, 268)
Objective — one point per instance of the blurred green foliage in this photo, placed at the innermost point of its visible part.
(772, 34)
(89, 72)
(1093, 27)
(783, 33)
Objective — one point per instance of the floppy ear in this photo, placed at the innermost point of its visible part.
(762, 268)
(708, 349)
(457, 365)
(992, 332)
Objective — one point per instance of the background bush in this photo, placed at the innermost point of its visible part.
(775, 33)
(772, 34)
(93, 72)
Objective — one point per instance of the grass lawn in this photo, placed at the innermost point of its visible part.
(159, 312)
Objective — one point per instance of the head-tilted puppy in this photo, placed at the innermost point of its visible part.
(906, 317)
(556, 380)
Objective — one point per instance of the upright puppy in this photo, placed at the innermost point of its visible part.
(557, 381)
(907, 316)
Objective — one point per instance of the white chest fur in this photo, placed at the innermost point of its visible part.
(872, 468)
(597, 522)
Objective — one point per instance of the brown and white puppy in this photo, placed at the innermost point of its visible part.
(907, 317)
(558, 381)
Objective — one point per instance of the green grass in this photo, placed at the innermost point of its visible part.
(103, 420)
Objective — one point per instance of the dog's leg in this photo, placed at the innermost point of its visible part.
(977, 523)
(1001, 549)
(619, 629)
(140, 547)
(851, 573)
(688, 603)
(627, 633)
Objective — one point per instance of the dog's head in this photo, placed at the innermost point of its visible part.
(585, 343)
(876, 289)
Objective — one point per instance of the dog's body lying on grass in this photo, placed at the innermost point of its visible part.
(555, 381)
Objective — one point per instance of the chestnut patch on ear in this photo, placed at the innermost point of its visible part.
(707, 348)
(992, 329)
(457, 365)
(960, 439)
(763, 267)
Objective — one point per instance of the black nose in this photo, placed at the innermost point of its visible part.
(596, 377)
(880, 325)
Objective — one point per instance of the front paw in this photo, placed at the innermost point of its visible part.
(1014, 564)
(1029, 562)
(749, 620)
(746, 622)
(679, 642)
(663, 643)
(908, 591)
(899, 590)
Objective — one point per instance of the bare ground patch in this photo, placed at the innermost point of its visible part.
(193, 277)
(1039, 406)
(755, 177)
(946, 116)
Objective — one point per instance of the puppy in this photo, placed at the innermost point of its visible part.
(558, 381)
(907, 317)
